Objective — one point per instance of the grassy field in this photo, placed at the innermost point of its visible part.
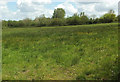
(86, 52)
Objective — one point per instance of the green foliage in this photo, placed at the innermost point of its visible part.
(58, 22)
(94, 21)
(74, 20)
(21, 23)
(84, 20)
(78, 20)
(91, 21)
(12, 23)
(27, 22)
(59, 13)
(42, 21)
(4, 24)
(108, 17)
(118, 18)
(80, 77)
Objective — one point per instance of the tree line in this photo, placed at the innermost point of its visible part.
(58, 19)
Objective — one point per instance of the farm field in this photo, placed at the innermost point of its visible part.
(82, 52)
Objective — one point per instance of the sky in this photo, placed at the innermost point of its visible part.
(21, 9)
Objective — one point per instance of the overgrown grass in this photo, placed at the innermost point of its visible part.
(86, 52)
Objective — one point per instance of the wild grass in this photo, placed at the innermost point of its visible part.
(82, 52)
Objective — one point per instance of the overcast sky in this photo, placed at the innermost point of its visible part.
(20, 9)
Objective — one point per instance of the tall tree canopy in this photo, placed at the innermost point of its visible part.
(59, 13)
(108, 17)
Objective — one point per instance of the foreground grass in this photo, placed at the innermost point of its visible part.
(86, 52)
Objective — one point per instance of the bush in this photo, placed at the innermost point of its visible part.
(27, 22)
(84, 20)
(77, 20)
(107, 18)
(4, 23)
(81, 77)
(74, 20)
(58, 22)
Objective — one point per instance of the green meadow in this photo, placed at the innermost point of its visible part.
(81, 52)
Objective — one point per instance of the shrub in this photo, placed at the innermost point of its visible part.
(84, 20)
(74, 20)
(58, 22)
(108, 18)
(80, 77)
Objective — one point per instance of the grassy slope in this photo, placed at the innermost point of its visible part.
(69, 52)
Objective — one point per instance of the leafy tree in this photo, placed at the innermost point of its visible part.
(78, 20)
(58, 22)
(21, 23)
(58, 19)
(82, 14)
(27, 21)
(118, 18)
(96, 21)
(91, 21)
(42, 21)
(74, 20)
(10, 23)
(84, 20)
(93, 16)
(108, 17)
(58, 13)
(111, 11)
(4, 23)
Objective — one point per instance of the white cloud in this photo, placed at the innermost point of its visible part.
(5, 13)
(32, 5)
(26, 9)
(119, 8)
(33, 8)
(69, 8)
(107, 5)
(76, 0)
(103, 6)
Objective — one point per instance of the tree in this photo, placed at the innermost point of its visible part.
(84, 19)
(118, 18)
(96, 21)
(74, 20)
(82, 14)
(111, 11)
(21, 23)
(91, 21)
(27, 21)
(58, 22)
(58, 13)
(108, 17)
(93, 16)
(77, 19)
(4, 23)
(42, 21)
